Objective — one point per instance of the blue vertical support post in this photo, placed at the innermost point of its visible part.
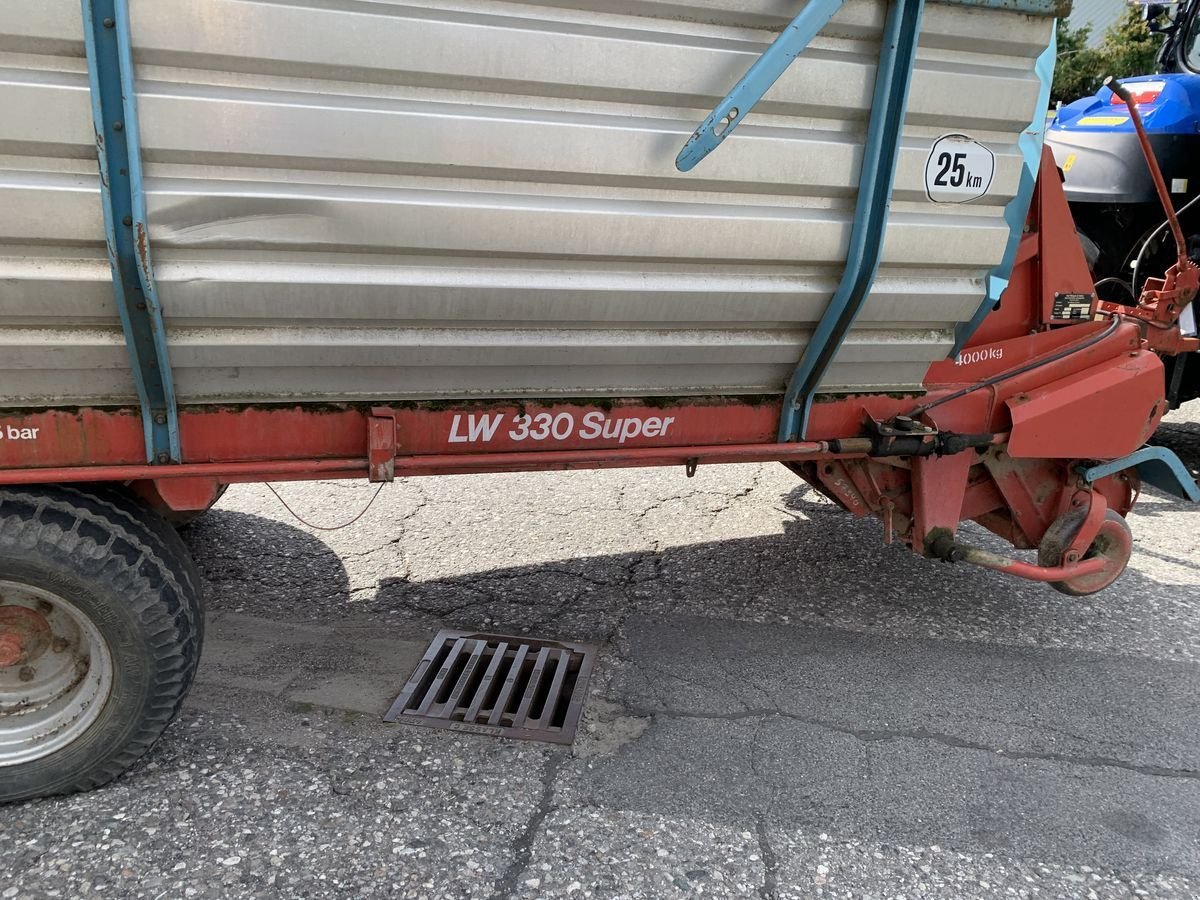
(897, 53)
(898, 50)
(107, 40)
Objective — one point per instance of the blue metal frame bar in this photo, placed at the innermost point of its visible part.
(898, 52)
(118, 148)
(1156, 466)
(766, 70)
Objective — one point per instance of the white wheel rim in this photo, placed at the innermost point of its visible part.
(49, 701)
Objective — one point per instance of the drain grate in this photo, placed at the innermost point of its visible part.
(497, 685)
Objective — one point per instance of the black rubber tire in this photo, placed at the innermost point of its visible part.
(154, 530)
(117, 570)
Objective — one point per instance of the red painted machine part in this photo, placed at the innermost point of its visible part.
(1090, 391)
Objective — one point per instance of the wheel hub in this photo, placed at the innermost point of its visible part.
(24, 635)
(56, 672)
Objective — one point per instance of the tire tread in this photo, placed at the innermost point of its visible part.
(136, 563)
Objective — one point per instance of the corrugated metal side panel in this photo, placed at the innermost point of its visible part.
(383, 199)
(57, 315)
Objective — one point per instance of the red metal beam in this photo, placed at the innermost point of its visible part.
(551, 460)
(268, 470)
(1034, 572)
(434, 464)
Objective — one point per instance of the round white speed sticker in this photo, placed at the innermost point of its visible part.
(959, 169)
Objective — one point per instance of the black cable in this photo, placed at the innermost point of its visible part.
(1137, 263)
(1112, 279)
(1028, 367)
(303, 521)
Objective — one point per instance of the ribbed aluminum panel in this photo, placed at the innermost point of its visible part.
(368, 199)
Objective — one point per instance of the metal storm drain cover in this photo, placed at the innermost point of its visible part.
(504, 686)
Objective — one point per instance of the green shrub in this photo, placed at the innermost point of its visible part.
(1128, 48)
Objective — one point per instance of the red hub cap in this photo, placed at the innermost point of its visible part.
(24, 635)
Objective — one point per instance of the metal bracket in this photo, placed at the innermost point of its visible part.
(381, 445)
(1089, 524)
(1156, 466)
(730, 112)
(118, 149)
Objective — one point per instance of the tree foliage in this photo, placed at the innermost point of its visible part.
(1128, 48)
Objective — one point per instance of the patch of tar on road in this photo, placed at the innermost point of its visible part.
(606, 728)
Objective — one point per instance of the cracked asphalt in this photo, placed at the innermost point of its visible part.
(782, 708)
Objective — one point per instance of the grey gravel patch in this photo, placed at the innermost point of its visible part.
(814, 865)
(605, 853)
(221, 810)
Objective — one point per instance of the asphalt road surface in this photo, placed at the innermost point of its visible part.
(783, 708)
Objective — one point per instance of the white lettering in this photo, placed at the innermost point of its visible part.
(631, 428)
(540, 427)
(13, 433)
(521, 431)
(481, 428)
(593, 426)
(985, 354)
(567, 421)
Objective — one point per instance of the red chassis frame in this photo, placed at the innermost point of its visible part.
(1092, 390)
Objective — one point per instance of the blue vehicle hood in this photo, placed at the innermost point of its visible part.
(1175, 110)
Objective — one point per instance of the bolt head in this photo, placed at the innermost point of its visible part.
(164, 458)
(109, 23)
(59, 644)
(26, 673)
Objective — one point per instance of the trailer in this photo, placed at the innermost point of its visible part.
(274, 240)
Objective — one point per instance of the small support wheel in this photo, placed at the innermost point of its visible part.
(1113, 543)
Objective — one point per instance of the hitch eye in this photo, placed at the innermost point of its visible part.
(723, 126)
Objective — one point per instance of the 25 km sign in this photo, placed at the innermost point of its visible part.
(959, 169)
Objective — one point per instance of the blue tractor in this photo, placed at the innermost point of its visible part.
(1112, 197)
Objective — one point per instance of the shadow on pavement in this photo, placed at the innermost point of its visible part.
(824, 567)
(809, 679)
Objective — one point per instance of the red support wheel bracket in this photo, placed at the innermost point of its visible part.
(1112, 545)
(1077, 526)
